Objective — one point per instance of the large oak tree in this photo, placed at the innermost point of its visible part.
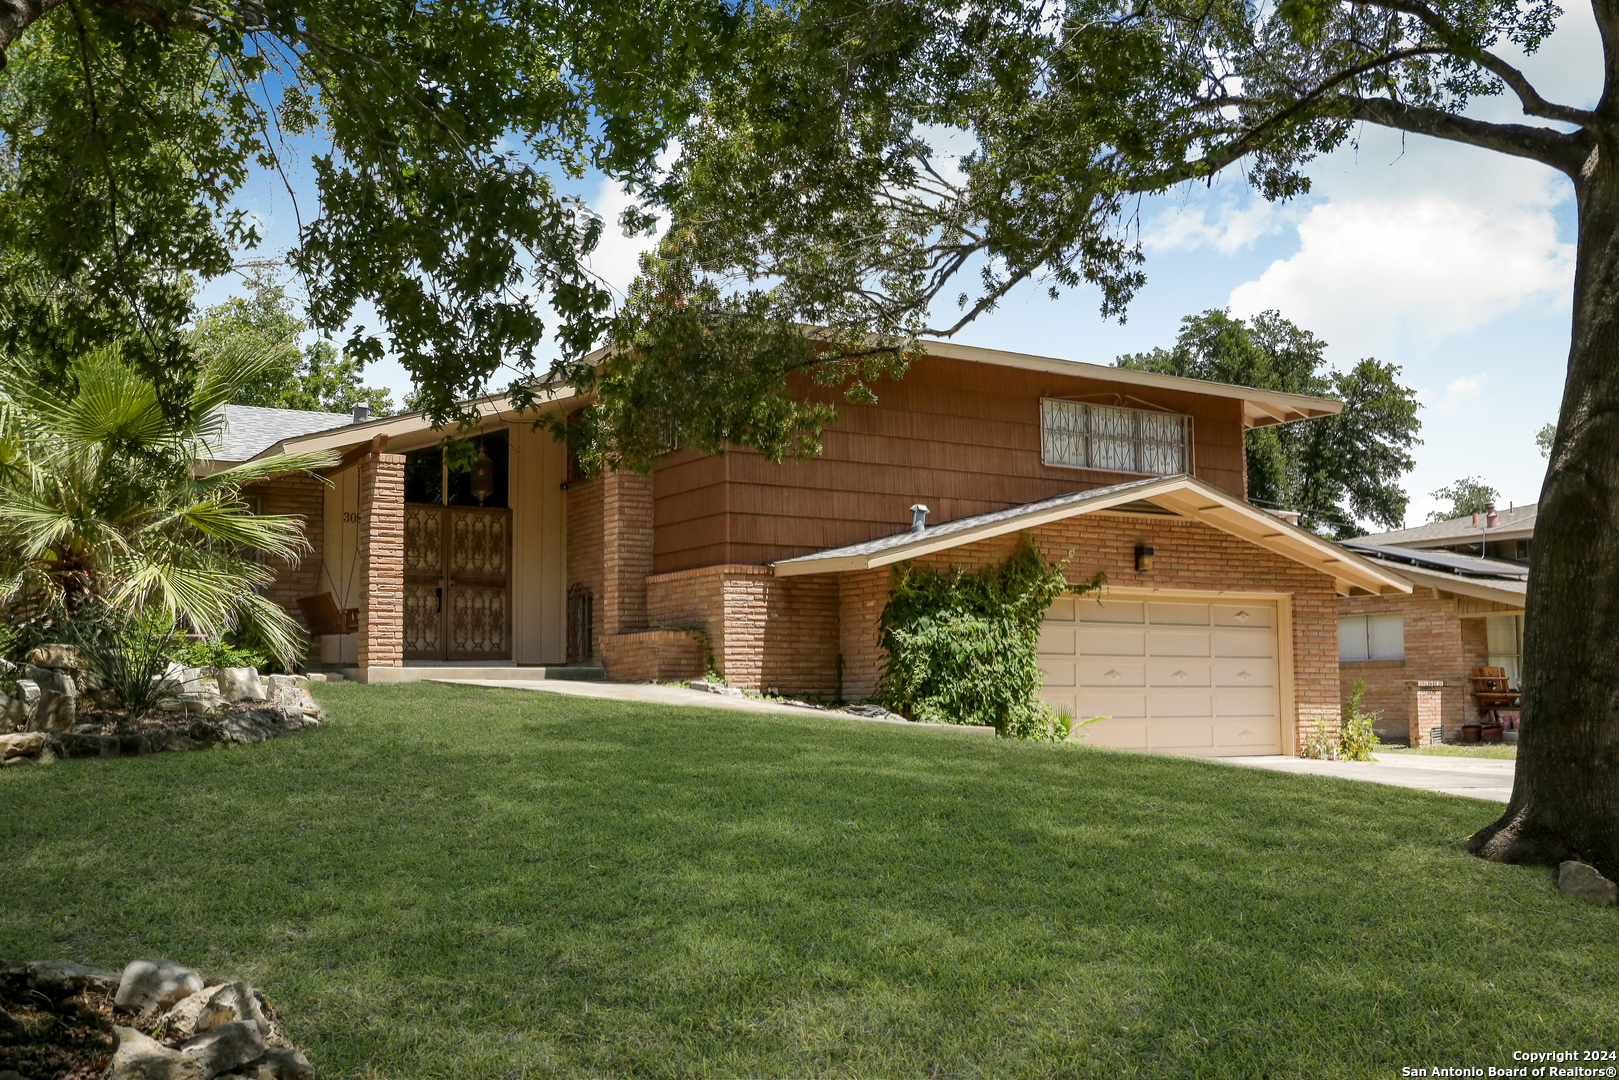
(812, 189)
(441, 139)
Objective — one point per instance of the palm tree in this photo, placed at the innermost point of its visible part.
(100, 503)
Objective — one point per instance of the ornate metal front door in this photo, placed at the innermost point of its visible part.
(457, 582)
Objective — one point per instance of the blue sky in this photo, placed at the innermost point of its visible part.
(1454, 263)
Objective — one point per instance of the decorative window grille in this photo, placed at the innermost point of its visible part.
(1079, 435)
(581, 625)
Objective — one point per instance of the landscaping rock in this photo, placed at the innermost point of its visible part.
(59, 657)
(1585, 882)
(225, 1003)
(26, 703)
(201, 704)
(57, 706)
(714, 688)
(25, 744)
(240, 684)
(284, 1063)
(223, 1047)
(141, 1058)
(282, 690)
(872, 712)
(59, 979)
(151, 985)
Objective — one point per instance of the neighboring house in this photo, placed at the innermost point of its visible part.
(1217, 634)
(1468, 577)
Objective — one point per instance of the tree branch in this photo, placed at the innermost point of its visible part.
(1564, 152)
(17, 16)
(1528, 96)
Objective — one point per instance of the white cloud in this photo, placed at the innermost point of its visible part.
(1458, 392)
(616, 259)
(1373, 271)
(1231, 228)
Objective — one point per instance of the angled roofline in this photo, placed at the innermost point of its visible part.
(352, 435)
(1500, 590)
(1260, 407)
(1187, 496)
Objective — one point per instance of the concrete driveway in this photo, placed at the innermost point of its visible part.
(1469, 777)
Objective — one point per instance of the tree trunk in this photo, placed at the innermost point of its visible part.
(1565, 801)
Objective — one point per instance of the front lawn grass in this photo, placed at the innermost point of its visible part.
(459, 882)
(1487, 751)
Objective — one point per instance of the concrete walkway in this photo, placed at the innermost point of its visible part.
(1473, 778)
(655, 694)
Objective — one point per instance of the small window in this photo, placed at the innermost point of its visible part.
(1505, 634)
(1371, 637)
(1078, 435)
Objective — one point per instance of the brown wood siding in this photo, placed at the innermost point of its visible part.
(961, 437)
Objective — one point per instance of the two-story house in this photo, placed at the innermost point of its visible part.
(1217, 633)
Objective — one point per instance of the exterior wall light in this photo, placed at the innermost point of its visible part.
(1143, 558)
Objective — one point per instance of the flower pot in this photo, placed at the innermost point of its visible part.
(1470, 732)
(1491, 733)
(1510, 738)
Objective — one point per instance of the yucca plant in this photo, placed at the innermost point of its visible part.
(100, 502)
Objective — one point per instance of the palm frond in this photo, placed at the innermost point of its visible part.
(250, 472)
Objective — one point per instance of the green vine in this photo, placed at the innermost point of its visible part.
(962, 647)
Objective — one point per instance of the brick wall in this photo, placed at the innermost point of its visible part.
(777, 635)
(626, 552)
(1188, 555)
(303, 497)
(382, 560)
(1440, 646)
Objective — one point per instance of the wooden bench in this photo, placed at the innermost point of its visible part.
(325, 617)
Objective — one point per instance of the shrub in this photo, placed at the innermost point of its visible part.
(216, 655)
(129, 653)
(961, 647)
(1358, 738)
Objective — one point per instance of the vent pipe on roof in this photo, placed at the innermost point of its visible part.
(919, 518)
(1491, 518)
(362, 413)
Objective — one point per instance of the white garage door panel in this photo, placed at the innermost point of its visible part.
(1252, 674)
(1113, 705)
(1160, 705)
(1053, 674)
(1056, 639)
(1191, 677)
(1252, 616)
(1188, 675)
(1261, 643)
(1160, 614)
(1119, 611)
(1177, 643)
(1106, 675)
(1110, 643)
(1182, 738)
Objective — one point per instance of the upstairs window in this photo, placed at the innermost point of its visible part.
(1078, 435)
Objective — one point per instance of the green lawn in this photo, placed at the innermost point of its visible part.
(1488, 751)
(458, 883)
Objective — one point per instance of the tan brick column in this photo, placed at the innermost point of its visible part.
(626, 551)
(382, 560)
(1425, 709)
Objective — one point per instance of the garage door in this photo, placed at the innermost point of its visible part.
(1184, 677)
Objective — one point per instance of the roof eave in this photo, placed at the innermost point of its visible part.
(1260, 407)
(1187, 496)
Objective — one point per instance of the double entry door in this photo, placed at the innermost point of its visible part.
(457, 582)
